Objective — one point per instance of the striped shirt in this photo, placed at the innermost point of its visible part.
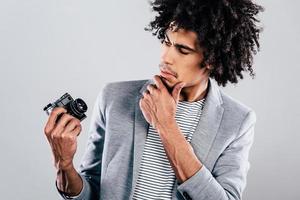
(156, 176)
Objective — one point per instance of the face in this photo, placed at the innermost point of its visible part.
(181, 56)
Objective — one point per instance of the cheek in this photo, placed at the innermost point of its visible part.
(189, 71)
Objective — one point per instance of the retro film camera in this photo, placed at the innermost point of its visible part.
(76, 107)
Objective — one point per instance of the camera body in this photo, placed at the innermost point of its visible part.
(76, 107)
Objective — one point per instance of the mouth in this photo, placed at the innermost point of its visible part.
(164, 68)
(167, 77)
(166, 72)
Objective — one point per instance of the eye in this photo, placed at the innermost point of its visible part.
(182, 52)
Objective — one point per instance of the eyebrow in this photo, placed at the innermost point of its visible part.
(181, 45)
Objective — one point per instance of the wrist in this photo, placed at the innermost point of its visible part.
(65, 166)
(167, 127)
(67, 181)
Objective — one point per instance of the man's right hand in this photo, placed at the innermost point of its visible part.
(62, 136)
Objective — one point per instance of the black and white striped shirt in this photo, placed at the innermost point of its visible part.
(156, 176)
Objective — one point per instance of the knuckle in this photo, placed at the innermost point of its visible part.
(76, 121)
(72, 123)
(60, 124)
(78, 125)
(146, 94)
(55, 136)
(56, 133)
(47, 133)
(66, 116)
(47, 130)
(58, 110)
(78, 130)
(67, 137)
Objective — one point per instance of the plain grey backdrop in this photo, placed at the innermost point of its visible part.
(56, 46)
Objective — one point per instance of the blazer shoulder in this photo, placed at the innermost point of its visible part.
(125, 86)
(236, 110)
(121, 90)
(232, 103)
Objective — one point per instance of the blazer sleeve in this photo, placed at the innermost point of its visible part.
(228, 177)
(90, 167)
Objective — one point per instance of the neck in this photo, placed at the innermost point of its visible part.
(194, 92)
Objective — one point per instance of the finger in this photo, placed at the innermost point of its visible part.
(72, 125)
(176, 91)
(158, 82)
(144, 104)
(76, 131)
(52, 119)
(145, 110)
(168, 77)
(151, 88)
(64, 120)
(61, 124)
(148, 98)
(149, 112)
(141, 104)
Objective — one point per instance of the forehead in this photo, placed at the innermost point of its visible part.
(182, 36)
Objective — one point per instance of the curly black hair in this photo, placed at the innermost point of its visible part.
(226, 30)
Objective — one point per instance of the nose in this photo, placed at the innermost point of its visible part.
(167, 55)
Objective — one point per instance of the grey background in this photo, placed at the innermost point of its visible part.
(50, 47)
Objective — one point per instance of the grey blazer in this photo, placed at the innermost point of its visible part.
(118, 132)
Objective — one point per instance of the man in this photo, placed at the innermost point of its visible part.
(176, 136)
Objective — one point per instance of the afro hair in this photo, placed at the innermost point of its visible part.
(226, 29)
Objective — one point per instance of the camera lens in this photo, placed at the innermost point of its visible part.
(79, 107)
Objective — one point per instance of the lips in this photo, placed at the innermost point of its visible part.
(166, 72)
(166, 75)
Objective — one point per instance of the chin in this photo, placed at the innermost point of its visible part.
(168, 84)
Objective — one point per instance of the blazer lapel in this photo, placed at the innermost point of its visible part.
(209, 123)
(140, 133)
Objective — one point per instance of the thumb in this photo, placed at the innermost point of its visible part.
(176, 91)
